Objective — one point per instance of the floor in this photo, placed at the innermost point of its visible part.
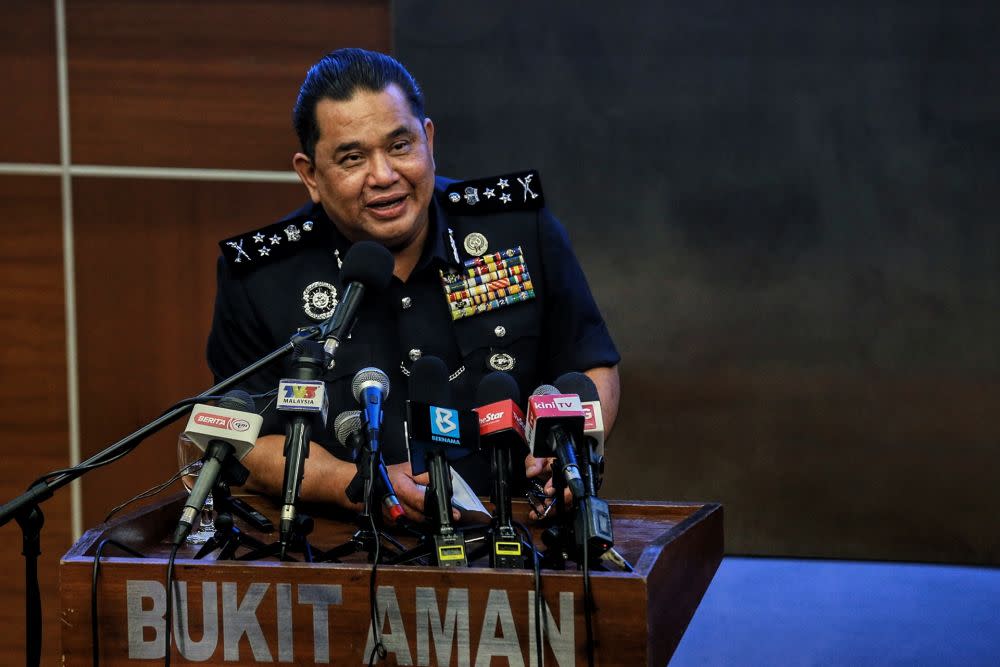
(769, 611)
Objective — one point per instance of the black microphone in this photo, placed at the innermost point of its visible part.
(367, 266)
(350, 433)
(226, 432)
(559, 418)
(430, 391)
(592, 527)
(593, 425)
(501, 429)
(301, 397)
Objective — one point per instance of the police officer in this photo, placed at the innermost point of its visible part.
(484, 277)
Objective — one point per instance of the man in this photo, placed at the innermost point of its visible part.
(367, 161)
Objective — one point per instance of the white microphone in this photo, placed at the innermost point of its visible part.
(227, 430)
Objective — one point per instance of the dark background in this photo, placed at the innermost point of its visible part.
(787, 212)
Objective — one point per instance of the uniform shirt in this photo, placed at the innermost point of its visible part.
(262, 301)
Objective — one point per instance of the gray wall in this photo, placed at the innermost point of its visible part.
(786, 212)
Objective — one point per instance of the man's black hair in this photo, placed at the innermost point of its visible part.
(337, 76)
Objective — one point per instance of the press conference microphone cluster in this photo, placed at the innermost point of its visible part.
(226, 433)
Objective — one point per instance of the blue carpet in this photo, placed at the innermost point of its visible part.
(767, 611)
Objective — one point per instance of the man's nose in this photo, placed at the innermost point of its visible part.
(382, 173)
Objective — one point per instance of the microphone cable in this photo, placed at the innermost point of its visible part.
(539, 607)
(168, 614)
(378, 648)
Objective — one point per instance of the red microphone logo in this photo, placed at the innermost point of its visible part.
(222, 421)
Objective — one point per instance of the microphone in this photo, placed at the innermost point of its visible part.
(301, 397)
(226, 433)
(432, 427)
(350, 433)
(593, 423)
(501, 428)
(370, 387)
(592, 528)
(553, 420)
(367, 266)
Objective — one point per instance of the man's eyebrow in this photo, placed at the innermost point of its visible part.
(400, 131)
(348, 146)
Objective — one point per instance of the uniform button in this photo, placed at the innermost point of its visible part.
(500, 332)
(415, 354)
(406, 301)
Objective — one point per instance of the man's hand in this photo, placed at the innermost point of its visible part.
(410, 489)
(541, 469)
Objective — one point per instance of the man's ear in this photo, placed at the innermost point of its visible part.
(429, 133)
(307, 174)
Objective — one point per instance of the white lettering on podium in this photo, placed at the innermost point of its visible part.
(505, 645)
(395, 639)
(320, 596)
(146, 603)
(201, 650)
(453, 631)
(561, 636)
(137, 594)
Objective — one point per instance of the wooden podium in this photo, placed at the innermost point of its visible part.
(265, 611)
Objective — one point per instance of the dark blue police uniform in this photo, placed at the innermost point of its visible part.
(537, 321)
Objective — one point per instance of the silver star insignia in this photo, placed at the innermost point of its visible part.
(488, 193)
(502, 183)
(258, 238)
(275, 240)
(505, 198)
(264, 251)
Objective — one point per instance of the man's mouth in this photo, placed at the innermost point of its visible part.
(386, 203)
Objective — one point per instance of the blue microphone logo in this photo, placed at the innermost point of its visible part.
(444, 425)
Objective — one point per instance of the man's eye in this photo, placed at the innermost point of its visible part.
(351, 158)
(400, 146)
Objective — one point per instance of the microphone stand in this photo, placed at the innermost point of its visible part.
(26, 509)
(505, 543)
(446, 547)
(362, 488)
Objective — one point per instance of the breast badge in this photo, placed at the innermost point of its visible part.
(319, 300)
(487, 283)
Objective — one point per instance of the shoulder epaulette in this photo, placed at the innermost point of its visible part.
(521, 191)
(259, 247)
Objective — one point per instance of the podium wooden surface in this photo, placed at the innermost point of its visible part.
(264, 611)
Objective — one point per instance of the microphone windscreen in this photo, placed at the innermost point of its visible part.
(545, 389)
(345, 424)
(497, 386)
(237, 399)
(579, 384)
(368, 263)
(429, 381)
(370, 376)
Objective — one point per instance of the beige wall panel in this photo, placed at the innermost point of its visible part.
(145, 260)
(201, 84)
(33, 430)
(28, 127)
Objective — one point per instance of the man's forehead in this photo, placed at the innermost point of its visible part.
(368, 111)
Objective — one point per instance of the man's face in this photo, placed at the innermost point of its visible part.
(374, 167)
